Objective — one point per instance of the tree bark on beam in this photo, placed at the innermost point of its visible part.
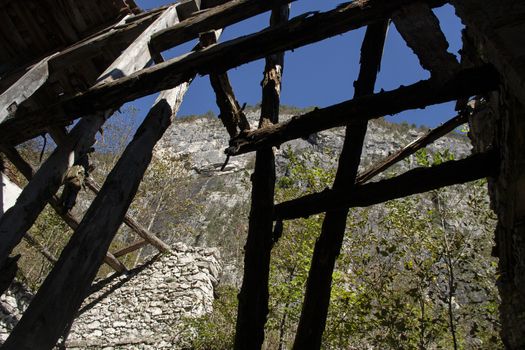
(57, 301)
(28, 172)
(412, 147)
(19, 218)
(466, 83)
(420, 29)
(415, 181)
(300, 31)
(328, 246)
(254, 295)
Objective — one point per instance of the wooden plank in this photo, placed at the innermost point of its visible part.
(28, 172)
(218, 17)
(328, 246)
(300, 31)
(415, 181)
(412, 147)
(57, 301)
(18, 219)
(420, 29)
(466, 83)
(254, 294)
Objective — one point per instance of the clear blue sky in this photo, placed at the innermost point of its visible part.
(320, 74)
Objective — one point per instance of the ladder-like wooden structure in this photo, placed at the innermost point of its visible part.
(33, 102)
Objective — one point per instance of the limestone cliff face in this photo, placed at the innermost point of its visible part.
(224, 195)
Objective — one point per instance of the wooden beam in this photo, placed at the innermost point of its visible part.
(57, 301)
(20, 92)
(466, 83)
(300, 31)
(218, 17)
(133, 224)
(254, 294)
(59, 135)
(420, 29)
(28, 172)
(131, 248)
(328, 246)
(412, 147)
(40, 248)
(415, 181)
(231, 113)
(19, 218)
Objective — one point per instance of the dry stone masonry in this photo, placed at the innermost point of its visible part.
(141, 310)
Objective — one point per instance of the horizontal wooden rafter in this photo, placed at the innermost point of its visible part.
(429, 92)
(300, 31)
(415, 181)
(218, 17)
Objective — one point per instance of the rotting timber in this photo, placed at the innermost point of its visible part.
(32, 104)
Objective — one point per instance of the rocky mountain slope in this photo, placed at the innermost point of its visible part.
(224, 196)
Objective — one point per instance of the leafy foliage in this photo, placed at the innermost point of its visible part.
(414, 273)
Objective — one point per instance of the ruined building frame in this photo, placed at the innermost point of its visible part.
(91, 57)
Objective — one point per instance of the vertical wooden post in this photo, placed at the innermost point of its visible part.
(327, 248)
(18, 219)
(253, 297)
(57, 301)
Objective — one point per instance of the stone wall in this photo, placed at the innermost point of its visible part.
(142, 310)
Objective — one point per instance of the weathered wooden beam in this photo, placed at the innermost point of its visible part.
(466, 83)
(24, 88)
(40, 248)
(412, 147)
(57, 301)
(133, 224)
(254, 294)
(420, 29)
(21, 91)
(131, 248)
(19, 218)
(328, 246)
(231, 113)
(28, 172)
(300, 31)
(415, 181)
(218, 17)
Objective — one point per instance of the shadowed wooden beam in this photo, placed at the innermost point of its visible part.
(28, 172)
(412, 147)
(415, 181)
(420, 29)
(58, 299)
(19, 218)
(466, 83)
(300, 31)
(253, 297)
(218, 17)
(328, 246)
